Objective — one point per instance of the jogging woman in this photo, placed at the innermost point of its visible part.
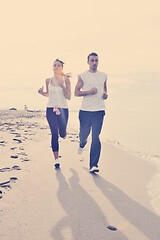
(58, 89)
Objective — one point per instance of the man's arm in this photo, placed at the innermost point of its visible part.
(79, 93)
(105, 95)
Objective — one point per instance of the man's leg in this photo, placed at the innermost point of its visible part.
(85, 127)
(97, 122)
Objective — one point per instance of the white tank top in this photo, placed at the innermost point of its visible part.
(93, 102)
(56, 96)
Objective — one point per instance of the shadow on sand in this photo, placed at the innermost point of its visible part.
(142, 218)
(84, 218)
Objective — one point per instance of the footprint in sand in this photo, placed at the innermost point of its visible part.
(14, 156)
(15, 133)
(8, 128)
(7, 169)
(16, 167)
(13, 179)
(2, 143)
(4, 169)
(21, 148)
(5, 185)
(26, 138)
(0, 194)
(112, 228)
(17, 140)
(25, 160)
(22, 153)
(18, 135)
(13, 148)
(12, 130)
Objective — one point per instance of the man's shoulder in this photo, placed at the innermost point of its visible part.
(102, 73)
(83, 73)
(98, 73)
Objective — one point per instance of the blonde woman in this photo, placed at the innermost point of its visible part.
(58, 89)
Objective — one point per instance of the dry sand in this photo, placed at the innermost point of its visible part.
(41, 203)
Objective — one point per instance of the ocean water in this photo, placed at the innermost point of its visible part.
(123, 130)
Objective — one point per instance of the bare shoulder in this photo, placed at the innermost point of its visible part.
(80, 79)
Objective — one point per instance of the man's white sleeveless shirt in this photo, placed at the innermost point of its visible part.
(93, 102)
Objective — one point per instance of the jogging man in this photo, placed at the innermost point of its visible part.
(92, 86)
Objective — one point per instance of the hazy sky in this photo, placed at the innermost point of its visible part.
(125, 34)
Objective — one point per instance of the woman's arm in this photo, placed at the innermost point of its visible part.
(40, 91)
(66, 89)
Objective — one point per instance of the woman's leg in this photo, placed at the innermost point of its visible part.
(53, 124)
(62, 122)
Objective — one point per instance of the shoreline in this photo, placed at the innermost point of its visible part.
(115, 142)
(10, 114)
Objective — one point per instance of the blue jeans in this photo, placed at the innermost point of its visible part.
(91, 120)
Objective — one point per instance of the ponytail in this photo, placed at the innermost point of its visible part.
(66, 74)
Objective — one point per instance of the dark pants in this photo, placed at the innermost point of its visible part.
(91, 120)
(58, 125)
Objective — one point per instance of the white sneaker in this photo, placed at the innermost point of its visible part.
(80, 150)
(94, 169)
(57, 163)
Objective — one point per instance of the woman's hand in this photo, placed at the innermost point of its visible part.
(40, 91)
(69, 75)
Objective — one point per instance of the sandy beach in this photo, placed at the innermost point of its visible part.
(41, 203)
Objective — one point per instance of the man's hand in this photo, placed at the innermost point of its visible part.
(92, 91)
(105, 96)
